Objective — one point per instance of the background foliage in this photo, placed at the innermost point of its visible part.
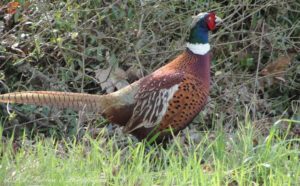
(90, 46)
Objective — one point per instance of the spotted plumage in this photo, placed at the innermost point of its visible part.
(185, 86)
(167, 99)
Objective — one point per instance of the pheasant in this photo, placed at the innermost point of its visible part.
(157, 105)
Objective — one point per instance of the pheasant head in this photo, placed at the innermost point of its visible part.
(201, 25)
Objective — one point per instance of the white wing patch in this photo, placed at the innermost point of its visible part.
(198, 48)
(151, 109)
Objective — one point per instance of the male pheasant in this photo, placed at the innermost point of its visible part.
(167, 99)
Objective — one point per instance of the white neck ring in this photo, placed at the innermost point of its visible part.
(198, 48)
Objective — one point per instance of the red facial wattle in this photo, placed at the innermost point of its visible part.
(211, 21)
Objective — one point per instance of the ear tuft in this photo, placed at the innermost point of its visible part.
(196, 18)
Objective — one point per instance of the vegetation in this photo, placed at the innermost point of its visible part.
(217, 159)
(247, 135)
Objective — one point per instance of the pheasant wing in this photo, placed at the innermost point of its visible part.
(153, 100)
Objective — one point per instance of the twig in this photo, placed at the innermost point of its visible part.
(256, 84)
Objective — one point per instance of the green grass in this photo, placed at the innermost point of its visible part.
(218, 159)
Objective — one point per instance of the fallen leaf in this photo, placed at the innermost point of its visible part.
(277, 68)
(11, 8)
(134, 73)
(111, 79)
(218, 73)
(275, 71)
(9, 40)
(207, 168)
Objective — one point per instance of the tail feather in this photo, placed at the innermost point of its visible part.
(117, 107)
(75, 101)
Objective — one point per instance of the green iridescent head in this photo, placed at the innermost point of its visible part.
(201, 25)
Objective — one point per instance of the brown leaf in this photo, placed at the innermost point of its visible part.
(11, 8)
(275, 71)
(277, 68)
(111, 79)
(208, 168)
(9, 40)
(134, 73)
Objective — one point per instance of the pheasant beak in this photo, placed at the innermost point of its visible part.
(218, 21)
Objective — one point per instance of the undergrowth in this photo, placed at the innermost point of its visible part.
(69, 45)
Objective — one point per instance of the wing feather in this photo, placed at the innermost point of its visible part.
(153, 100)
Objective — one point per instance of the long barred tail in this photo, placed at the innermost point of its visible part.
(75, 101)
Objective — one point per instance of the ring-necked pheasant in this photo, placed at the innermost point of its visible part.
(168, 98)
